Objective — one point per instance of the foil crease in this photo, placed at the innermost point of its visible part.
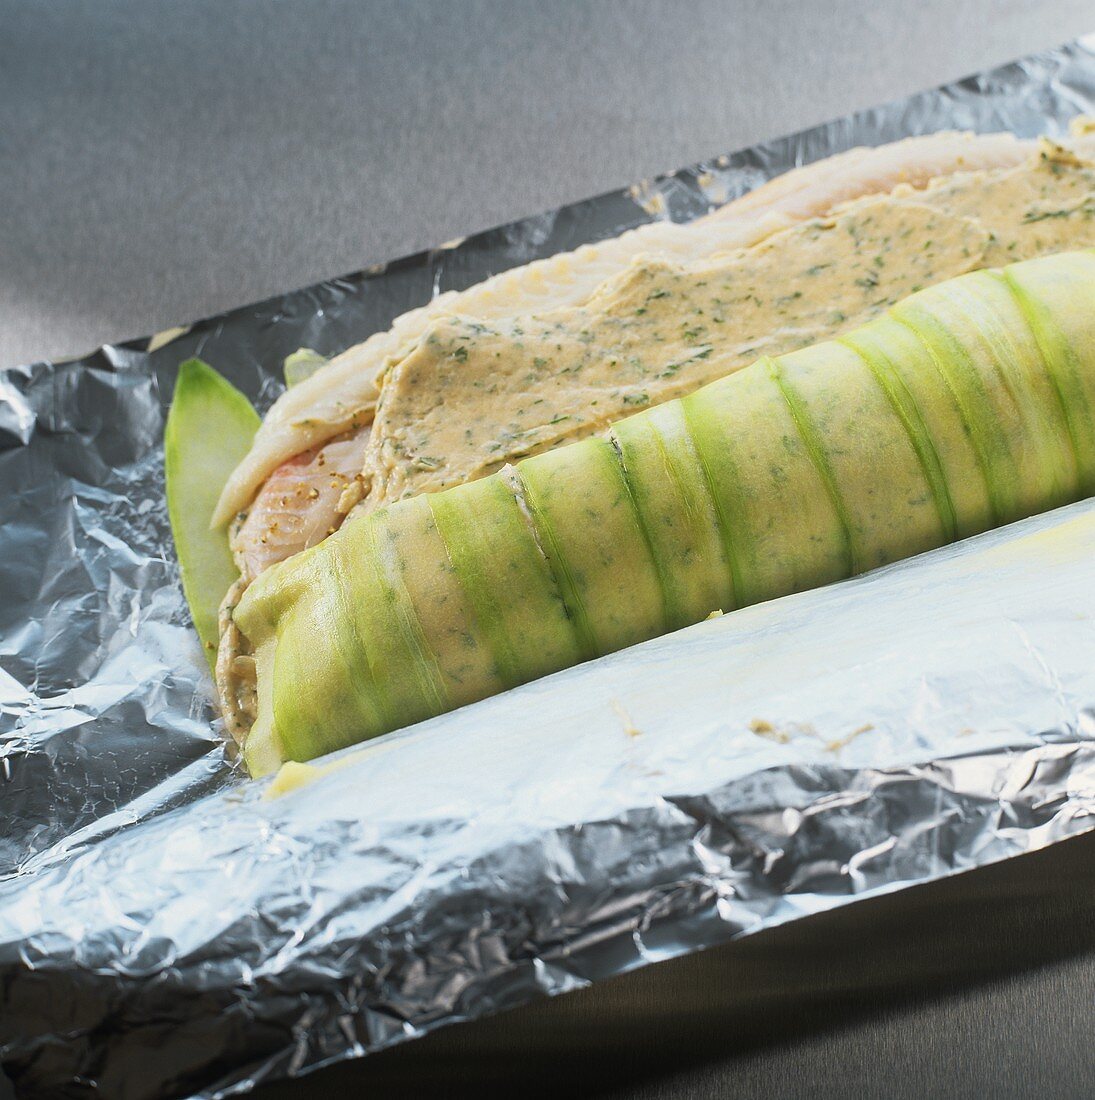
(168, 928)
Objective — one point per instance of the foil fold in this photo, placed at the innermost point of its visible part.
(168, 928)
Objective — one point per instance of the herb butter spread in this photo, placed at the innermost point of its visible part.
(473, 395)
(345, 390)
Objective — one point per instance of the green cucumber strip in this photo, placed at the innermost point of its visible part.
(960, 375)
(815, 449)
(560, 569)
(904, 405)
(699, 431)
(400, 636)
(462, 532)
(303, 363)
(209, 430)
(1061, 367)
(676, 615)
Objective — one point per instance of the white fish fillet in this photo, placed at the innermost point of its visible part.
(344, 392)
(298, 505)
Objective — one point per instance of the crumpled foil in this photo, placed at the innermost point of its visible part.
(168, 928)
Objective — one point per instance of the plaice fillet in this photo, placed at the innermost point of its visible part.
(473, 395)
(343, 394)
(300, 504)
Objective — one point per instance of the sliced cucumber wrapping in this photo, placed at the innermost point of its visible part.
(209, 429)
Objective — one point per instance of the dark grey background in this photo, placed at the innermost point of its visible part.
(163, 161)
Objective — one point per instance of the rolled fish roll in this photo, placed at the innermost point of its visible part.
(969, 404)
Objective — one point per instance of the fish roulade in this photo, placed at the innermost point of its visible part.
(967, 405)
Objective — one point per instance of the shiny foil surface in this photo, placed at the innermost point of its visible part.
(169, 928)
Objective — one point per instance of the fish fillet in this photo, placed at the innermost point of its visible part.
(302, 502)
(345, 391)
